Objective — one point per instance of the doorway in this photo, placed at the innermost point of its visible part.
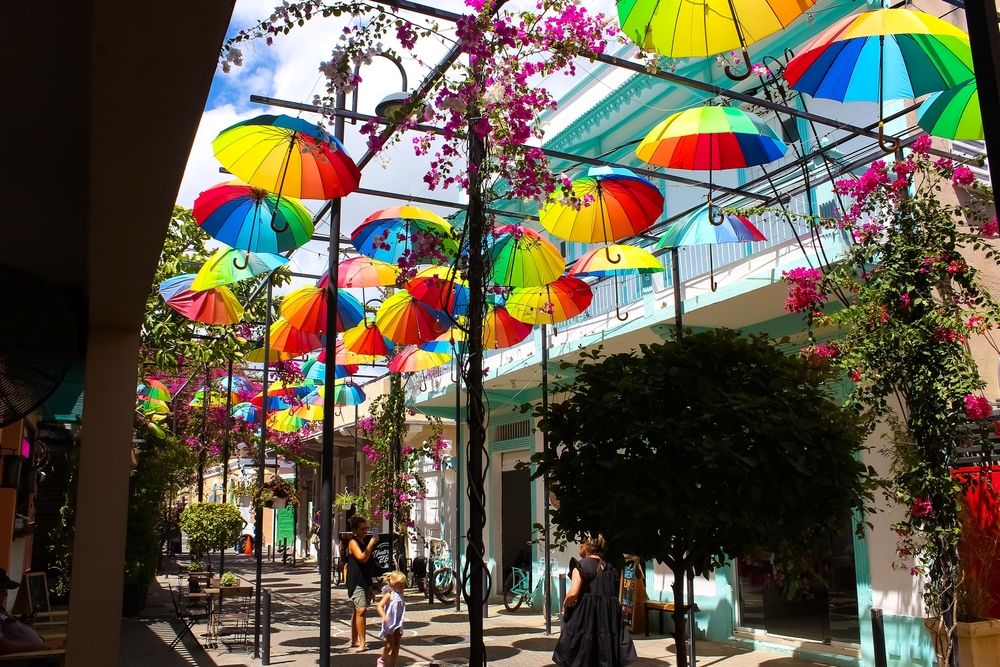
(515, 518)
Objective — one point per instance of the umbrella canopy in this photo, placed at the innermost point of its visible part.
(953, 113)
(257, 355)
(253, 219)
(280, 393)
(565, 298)
(362, 271)
(217, 305)
(247, 412)
(442, 288)
(919, 54)
(501, 329)
(414, 358)
(152, 406)
(404, 320)
(703, 227)
(153, 390)
(521, 257)
(616, 260)
(314, 371)
(683, 28)
(621, 205)
(288, 156)
(286, 338)
(452, 340)
(239, 385)
(283, 421)
(215, 398)
(367, 340)
(229, 265)
(709, 138)
(345, 356)
(414, 234)
(305, 309)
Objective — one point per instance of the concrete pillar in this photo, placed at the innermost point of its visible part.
(94, 631)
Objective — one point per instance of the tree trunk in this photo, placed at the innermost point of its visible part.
(680, 618)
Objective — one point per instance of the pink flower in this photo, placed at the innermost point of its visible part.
(855, 375)
(922, 144)
(974, 322)
(824, 351)
(921, 507)
(804, 291)
(977, 407)
(990, 228)
(962, 176)
(904, 301)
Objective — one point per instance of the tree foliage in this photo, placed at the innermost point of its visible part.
(211, 526)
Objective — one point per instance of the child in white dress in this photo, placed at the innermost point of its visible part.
(391, 609)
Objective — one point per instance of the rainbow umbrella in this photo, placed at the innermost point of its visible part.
(345, 357)
(415, 358)
(367, 340)
(288, 156)
(521, 257)
(283, 421)
(217, 305)
(250, 218)
(404, 320)
(257, 355)
(953, 113)
(345, 392)
(247, 412)
(229, 265)
(624, 260)
(452, 340)
(363, 271)
(314, 371)
(153, 390)
(910, 54)
(215, 398)
(287, 393)
(442, 288)
(305, 309)
(684, 28)
(152, 406)
(501, 329)
(291, 340)
(239, 384)
(419, 235)
(556, 302)
(622, 205)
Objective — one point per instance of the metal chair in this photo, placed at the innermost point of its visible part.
(190, 610)
(232, 614)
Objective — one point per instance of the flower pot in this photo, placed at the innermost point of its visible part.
(278, 503)
(244, 501)
(978, 642)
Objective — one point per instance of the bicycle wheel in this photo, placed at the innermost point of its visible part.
(511, 600)
(444, 585)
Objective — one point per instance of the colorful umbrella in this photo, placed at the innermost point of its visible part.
(404, 320)
(152, 406)
(416, 234)
(288, 393)
(683, 28)
(953, 113)
(228, 266)
(452, 340)
(556, 302)
(257, 355)
(247, 412)
(305, 309)
(239, 385)
(253, 219)
(345, 357)
(314, 371)
(414, 358)
(286, 338)
(521, 257)
(501, 329)
(217, 305)
(283, 421)
(367, 340)
(624, 260)
(153, 390)
(215, 398)
(288, 156)
(345, 392)
(442, 288)
(621, 204)
(363, 271)
(910, 54)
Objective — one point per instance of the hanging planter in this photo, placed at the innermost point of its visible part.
(278, 503)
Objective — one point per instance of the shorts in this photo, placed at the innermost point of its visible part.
(362, 597)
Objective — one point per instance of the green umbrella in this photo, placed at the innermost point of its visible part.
(953, 113)
(521, 257)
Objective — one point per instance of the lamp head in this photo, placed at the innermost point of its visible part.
(391, 106)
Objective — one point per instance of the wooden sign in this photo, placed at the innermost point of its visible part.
(632, 594)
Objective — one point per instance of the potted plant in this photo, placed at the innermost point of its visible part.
(279, 492)
(196, 566)
(229, 579)
(210, 527)
(244, 491)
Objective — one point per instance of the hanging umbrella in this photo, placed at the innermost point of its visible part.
(288, 156)
(367, 340)
(501, 329)
(556, 302)
(152, 406)
(404, 320)
(256, 355)
(252, 219)
(314, 371)
(223, 267)
(362, 271)
(288, 393)
(953, 113)
(521, 257)
(247, 412)
(217, 305)
(289, 339)
(154, 390)
(305, 309)
(883, 54)
(344, 356)
(283, 421)
(625, 260)
(410, 233)
(215, 398)
(414, 358)
(708, 226)
(239, 385)
(623, 205)
(441, 288)
(345, 393)
(684, 28)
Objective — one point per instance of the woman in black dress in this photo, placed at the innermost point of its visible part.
(593, 634)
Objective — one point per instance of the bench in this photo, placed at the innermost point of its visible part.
(661, 608)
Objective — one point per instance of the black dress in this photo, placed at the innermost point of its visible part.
(594, 635)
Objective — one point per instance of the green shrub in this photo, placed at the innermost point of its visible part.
(210, 526)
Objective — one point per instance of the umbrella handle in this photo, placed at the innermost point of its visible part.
(275, 228)
(241, 266)
(890, 147)
(607, 253)
(716, 219)
(711, 272)
(746, 63)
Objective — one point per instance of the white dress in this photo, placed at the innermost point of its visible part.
(393, 613)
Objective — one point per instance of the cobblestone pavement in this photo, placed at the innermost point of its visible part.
(433, 633)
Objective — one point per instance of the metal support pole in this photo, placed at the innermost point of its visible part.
(458, 483)
(547, 584)
(265, 658)
(326, 470)
(984, 38)
(878, 638)
(396, 382)
(693, 661)
(675, 268)
(225, 452)
(202, 453)
(258, 529)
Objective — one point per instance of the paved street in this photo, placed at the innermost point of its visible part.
(433, 633)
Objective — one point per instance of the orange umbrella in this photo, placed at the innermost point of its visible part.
(286, 338)
(406, 321)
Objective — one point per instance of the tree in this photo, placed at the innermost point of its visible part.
(210, 527)
(676, 453)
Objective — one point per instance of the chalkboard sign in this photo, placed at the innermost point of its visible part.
(632, 592)
(628, 589)
(38, 592)
(381, 558)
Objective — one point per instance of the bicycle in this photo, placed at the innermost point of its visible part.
(517, 589)
(443, 579)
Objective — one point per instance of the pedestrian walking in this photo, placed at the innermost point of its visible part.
(593, 632)
(359, 585)
(391, 609)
